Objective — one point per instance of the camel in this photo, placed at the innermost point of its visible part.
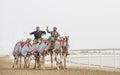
(65, 47)
(57, 51)
(39, 55)
(61, 50)
(17, 53)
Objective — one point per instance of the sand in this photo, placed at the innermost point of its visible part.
(6, 69)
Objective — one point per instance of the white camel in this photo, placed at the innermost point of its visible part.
(21, 49)
(39, 55)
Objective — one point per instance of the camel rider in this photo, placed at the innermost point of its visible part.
(37, 34)
(54, 36)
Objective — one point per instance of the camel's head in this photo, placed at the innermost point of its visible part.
(66, 38)
(39, 41)
(42, 40)
(60, 38)
(28, 40)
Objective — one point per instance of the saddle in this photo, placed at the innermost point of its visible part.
(22, 44)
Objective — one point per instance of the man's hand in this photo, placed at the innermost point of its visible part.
(30, 34)
(47, 27)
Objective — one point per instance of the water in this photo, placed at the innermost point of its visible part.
(104, 58)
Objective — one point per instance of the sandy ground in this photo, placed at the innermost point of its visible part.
(5, 69)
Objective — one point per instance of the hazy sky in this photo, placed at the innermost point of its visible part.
(89, 23)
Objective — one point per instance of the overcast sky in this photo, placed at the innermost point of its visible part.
(89, 23)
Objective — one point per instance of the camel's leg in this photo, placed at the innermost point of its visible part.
(38, 62)
(17, 61)
(43, 61)
(57, 63)
(29, 63)
(25, 62)
(51, 60)
(35, 62)
(20, 61)
(64, 60)
(61, 58)
(61, 66)
(56, 58)
(14, 62)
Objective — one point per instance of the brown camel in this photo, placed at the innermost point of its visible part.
(65, 49)
(56, 52)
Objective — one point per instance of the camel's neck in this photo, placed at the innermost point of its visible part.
(67, 44)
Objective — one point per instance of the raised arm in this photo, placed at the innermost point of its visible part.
(47, 30)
